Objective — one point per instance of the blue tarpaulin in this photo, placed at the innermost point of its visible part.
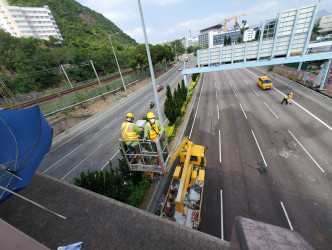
(25, 138)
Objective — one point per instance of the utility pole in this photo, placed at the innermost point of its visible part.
(116, 59)
(95, 72)
(66, 75)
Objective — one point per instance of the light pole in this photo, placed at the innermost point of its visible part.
(151, 68)
(116, 59)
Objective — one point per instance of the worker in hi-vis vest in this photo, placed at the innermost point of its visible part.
(130, 134)
(290, 98)
(153, 130)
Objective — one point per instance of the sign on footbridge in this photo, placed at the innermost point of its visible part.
(288, 42)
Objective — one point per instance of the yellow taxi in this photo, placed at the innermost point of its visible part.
(264, 82)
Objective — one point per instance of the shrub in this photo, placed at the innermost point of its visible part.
(119, 183)
(270, 68)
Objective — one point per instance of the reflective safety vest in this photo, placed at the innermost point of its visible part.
(286, 96)
(153, 131)
(128, 133)
(290, 96)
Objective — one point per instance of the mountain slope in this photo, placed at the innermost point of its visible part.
(79, 25)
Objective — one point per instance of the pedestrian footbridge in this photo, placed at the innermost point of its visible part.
(287, 42)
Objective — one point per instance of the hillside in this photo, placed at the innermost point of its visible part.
(80, 26)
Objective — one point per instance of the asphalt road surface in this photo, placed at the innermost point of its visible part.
(246, 128)
(91, 144)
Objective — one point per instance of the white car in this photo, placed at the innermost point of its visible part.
(180, 69)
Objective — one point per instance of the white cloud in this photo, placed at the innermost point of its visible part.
(138, 35)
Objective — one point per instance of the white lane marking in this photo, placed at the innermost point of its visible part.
(62, 158)
(307, 152)
(222, 216)
(81, 162)
(216, 94)
(325, 124)
(79, 133)
(271, 110)
(218, 110)
(116, 132)
(243, 111)
(289, 223)
(251, 72)
(254, 91)
(105, 127)
(199, 99)
(109, 160)
(165, 121)
(215, 84)
(259, 148)
(245, 81)
(226, 76)
(219, 147)
(230, 83)
(235, 94)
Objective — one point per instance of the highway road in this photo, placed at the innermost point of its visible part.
(91, 144)
(246, 128)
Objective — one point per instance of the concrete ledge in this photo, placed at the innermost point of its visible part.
(99, 222)
(250, 234)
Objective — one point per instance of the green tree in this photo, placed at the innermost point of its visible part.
(169, 105)
(239, 39)
(178, 47)
(257, 35)
(244, 27)
(315, 32)
(229, 41)
(225, 40)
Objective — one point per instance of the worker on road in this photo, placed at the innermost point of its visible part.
(285, 99)
(130, 134)
(290, 98)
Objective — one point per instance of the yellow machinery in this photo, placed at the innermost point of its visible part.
(184, 197)
(234, 17)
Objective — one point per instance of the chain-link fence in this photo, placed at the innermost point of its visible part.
(89, 94)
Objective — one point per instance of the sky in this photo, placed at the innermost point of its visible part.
(168, 20)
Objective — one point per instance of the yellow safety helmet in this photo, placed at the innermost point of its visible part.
(130, 115)
(150, 115)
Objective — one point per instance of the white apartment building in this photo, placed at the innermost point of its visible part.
(249, 34)
(35, 22)
(325, 24)
(192, 42)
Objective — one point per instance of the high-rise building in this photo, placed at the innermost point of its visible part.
(249, 34)
(192, 42)
(325, 24)
(28, 21)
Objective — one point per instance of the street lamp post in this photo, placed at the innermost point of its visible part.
(151, 69)
(116, 59)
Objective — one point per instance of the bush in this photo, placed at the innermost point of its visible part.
(119, 183)
(270, 68)
(192, 85)
(170, 132)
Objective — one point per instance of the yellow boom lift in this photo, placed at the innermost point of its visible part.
(183, 201)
